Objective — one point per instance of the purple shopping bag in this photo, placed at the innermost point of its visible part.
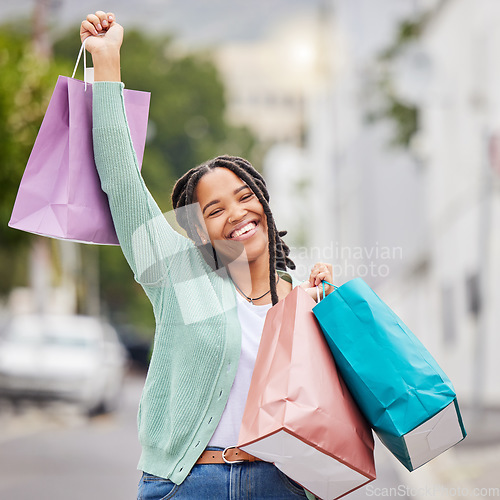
(60, 193)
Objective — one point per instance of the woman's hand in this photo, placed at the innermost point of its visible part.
(102, 32)
(319, 273)
(103, 38)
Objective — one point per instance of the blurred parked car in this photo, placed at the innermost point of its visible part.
(74, 358)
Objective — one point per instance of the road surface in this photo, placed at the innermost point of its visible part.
(53, 453)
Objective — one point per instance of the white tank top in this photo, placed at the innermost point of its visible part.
(252, 319)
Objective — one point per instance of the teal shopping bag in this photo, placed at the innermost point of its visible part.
(404, 394)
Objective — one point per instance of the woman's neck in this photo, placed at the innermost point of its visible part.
(252, 278)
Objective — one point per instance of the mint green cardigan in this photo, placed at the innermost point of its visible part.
(198, 337)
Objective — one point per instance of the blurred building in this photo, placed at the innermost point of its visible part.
(268, 80)
(446, 289)
(421, 224)
(455, 85)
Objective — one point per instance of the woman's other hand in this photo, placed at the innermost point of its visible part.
(103, 38)
(319, 273)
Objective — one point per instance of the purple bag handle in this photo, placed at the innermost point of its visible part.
(85, 69)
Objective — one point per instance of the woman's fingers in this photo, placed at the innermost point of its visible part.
(321, 272)
(103, 38)
(88, 29)
(99, 22)
(102, 32)
(95, 21)
(311, 291)
(103, 18)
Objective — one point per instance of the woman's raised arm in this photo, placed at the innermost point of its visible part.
(103, 38)
(147, 240)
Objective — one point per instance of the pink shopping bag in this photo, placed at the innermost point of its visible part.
(299, 414)
(60, 193)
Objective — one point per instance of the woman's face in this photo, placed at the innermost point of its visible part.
(233, 216)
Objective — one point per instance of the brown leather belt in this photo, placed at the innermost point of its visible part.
(230, 456)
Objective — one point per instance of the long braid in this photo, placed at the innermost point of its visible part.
(183, 194)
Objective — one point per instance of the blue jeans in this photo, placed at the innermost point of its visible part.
(245, 481)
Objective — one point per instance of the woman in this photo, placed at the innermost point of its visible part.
(210, 293)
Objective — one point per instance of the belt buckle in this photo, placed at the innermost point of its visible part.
(230, 462)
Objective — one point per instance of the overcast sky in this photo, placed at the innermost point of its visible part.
(197, 22)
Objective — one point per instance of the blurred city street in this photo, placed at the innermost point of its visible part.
(53, 453)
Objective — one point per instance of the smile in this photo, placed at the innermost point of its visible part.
(244, 232)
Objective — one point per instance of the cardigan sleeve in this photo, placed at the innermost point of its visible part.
(146, 238)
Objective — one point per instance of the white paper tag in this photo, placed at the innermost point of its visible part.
(89, 75)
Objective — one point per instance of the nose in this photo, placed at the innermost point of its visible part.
(236, 213)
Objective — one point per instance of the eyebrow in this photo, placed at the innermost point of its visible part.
(214, 202)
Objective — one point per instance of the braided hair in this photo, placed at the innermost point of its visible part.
(183, 194)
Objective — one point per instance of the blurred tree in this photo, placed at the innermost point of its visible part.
(186, 120)
(186, 127)
(404, 115)
(26, 84)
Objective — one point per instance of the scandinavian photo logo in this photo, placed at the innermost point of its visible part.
(349, 261)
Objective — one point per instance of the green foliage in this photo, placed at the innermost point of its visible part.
(187, 127)
(405, 116)
(408, 31)
(26, 84)
(186, 118)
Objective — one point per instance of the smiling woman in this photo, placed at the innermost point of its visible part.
(210, 294)
(234, 206)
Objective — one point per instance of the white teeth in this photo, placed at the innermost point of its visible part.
(243, 230)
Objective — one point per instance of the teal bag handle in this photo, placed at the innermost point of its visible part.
(328, 283)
